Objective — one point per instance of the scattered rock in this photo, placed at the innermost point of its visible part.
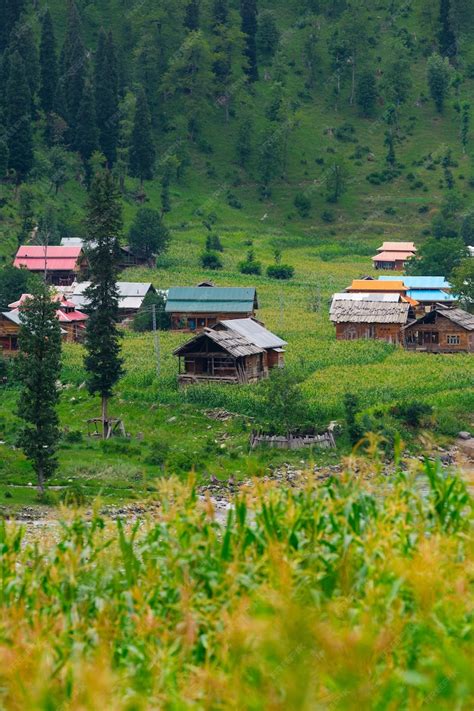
(464, 435)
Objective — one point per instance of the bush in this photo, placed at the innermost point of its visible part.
(210, 260)
(73, 437)
(280, 271)
(412, 413)
(214, 244)
(351, 408)
(250, 265)
(302, 204)
(143, 320)
(74, 496)
(328, 216)
(158, 453)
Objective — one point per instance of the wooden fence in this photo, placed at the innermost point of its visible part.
(325, 440)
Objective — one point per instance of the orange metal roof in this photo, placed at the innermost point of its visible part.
(380, 287)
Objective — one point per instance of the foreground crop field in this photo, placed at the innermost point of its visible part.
(170, 430)
(326, 597)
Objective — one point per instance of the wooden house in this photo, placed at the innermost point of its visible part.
(196, 308)
(442, 330)
(394, 255)
(235, 351)
(61, 266)
(9, 330)
(375, 316)
(131, 297)
(127, 257)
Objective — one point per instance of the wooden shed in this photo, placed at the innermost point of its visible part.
(231, 352)
(196, 308)
(442, 330)
(380, 319)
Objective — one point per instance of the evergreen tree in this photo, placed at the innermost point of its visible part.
(336, 181)
(142, 150)
(397, 79)
(107, 96)
(465, 124)
(39, 368)
(244, 142)
(248, 12)
(73, 65)
(439, 76)
(3, 151)
(165, 193)
(367, 93)
(86, 140)
(270, 159)
(220, 12)
(10, 13)
(148, 236)
(103, 363)
(268, 35)
(191, 16)
(20, 139)
(446, 37)
(48, 64)
(23, 41)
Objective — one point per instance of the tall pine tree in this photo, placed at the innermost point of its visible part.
(142, 149)
(103, 363)
(39, 368)
(10, 13)
(191, 15)
(48, 64)
(87, 136)
(248, 12)
(73, 64)
(446, 37)
(18, 100)
(220, 12)
(107, 96)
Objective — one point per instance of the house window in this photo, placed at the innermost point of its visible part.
(453, 340)
(350, 334)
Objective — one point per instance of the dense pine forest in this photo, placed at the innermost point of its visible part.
(316, 117)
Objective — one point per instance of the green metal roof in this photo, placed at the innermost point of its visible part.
(211, 300)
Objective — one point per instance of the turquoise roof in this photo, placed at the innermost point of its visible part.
(212, 299)
(430, 295)
(421, 282)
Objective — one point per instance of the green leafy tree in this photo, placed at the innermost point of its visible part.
(439, 77)
(143, 321)
(220, 12)
(142, 149)
(210, 260)
(61, 166)
(268, 34)
(148, 237)
(397, 81)
(284, 403)
(248, 12)
(354, 39)
(20, 134)
(103, 362)
(366, 93)
(311, 56)
(48, 64)
(13, 283)
(107, 96)
(462, 280)
(39, 368)
(467, 228)
(437, 256)
(270, 158)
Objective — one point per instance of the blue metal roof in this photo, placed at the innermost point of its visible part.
(430, 295)
(421, 282)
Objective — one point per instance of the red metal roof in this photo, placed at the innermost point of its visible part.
(393, 256)
(32, 257)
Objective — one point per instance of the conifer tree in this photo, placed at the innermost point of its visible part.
(248, 12)
(39, 367)
(10, 13)
(48, 64)
(107, 96)
(142, 150)
(86, 139)
(439, 77)
(220, 12)
(103, 363)
(18, 100)
(191, 16)
(73, 64)
(446, 37)
(23, 41)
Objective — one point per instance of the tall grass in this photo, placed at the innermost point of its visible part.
(323, 597)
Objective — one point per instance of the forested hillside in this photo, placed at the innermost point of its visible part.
(329, 118)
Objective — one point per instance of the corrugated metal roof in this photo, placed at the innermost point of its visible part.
(459, 316)
(131, 294)
(211, 300)
(369, 296)
(422, 282)
(231, 342)
(397, 247)
(34, 251)
(71, 242)
(392, 256)
(254, 332)
(368, 312)
(430, 295)
(13, 316)
(373, 286)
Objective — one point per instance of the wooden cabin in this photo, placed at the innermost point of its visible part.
(196, 308)
(127, 257)
(380, 318)
(442, 330)
(9, 330)
(236, 351)
(394, 255)
(61, 266)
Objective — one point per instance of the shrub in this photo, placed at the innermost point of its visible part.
(351, 408)
(250, 265)
(412, 413)
(302, 204)
(280, 271)
(143, 320)
(210, 260)
(74, 496)
(328, 216)
(158, 452)
(73, 437)
(214, 244)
